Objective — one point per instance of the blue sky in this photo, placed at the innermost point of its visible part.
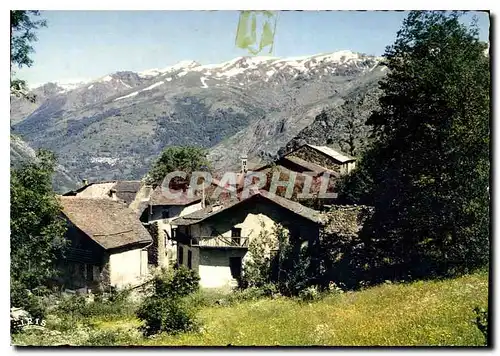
(90, 44)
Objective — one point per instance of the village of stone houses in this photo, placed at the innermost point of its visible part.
(329, 200)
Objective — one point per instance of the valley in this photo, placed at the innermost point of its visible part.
(114, 127)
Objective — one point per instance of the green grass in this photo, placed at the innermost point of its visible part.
(421, 313)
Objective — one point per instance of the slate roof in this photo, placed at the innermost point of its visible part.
(161, 197)
(309, 166)
(336, 155)
(292, 206)
(108, 222)
(126, 190)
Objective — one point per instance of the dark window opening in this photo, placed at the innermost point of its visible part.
(235, 236)
(235, 266)
(165, 214)
(180, 255)
(190, 258)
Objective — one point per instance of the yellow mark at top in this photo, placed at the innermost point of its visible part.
(247, 35)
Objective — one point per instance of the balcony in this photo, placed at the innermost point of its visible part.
(219, 242)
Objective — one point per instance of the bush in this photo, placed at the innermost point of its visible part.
(481, 321)
(309, 294)
(167, 315)
(20, 297)
(180, 283)
(115, 305)
(167, 310)
(74, 305)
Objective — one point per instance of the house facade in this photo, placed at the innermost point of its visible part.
(158, 214)
(216, 241)
(107, 245)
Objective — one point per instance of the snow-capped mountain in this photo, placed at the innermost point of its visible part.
(115, 125)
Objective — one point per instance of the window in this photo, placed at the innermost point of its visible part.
(180, 255)
(235, 236)
(190, 257)
(165, 214)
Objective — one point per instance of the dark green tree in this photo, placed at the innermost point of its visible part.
(177, 158)
(428, 172)
(23, 23)
(37, 230)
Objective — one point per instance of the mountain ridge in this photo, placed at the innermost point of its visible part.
(113, 127)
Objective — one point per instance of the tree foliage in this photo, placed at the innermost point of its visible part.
(37, 230)
(427, 174)
(23, 24)
(177, 158)
(167, 309)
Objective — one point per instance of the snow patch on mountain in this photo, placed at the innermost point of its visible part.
(106, 78)
(178, 66)
(137, 92)
(127, 96)
(204, 84)
(125, 84)
(153, 86)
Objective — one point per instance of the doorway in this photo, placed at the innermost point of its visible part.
(235, 267)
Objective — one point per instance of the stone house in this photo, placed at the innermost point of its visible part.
(215, 240)
(157, 215)
(316, 170)
(324, 156)
(130, 192)
(108, 244)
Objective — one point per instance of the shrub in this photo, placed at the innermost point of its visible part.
(116, 305)
(74, 305)
(180, 283)
(309, 294)
(20, 297)
(481, 321)
(167, 309)
(257, 270)
(117, 295)
(168, 315)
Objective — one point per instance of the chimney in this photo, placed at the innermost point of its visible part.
(112, 194)
(244, 164)
(85, 182)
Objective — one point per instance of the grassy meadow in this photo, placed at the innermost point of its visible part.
(424, 313)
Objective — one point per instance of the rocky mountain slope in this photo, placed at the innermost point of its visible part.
(21, 152)
(115, 126)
